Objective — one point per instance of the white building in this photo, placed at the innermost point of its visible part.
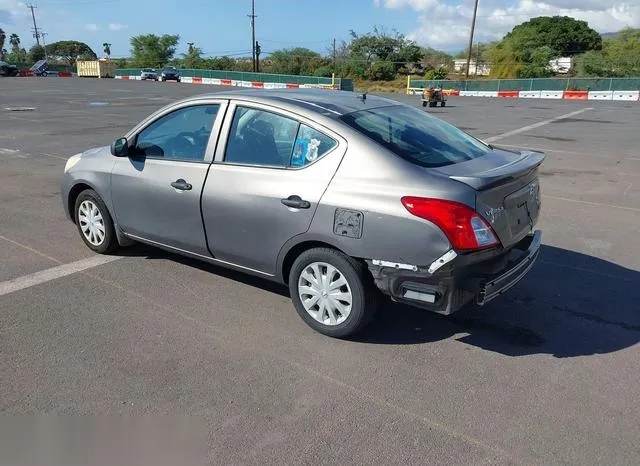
(560, 65)
(482, 69)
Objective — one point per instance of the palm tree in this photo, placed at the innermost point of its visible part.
(14, 40)
(3, 37)
(107, 49)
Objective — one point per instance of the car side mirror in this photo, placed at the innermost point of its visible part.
(120, 147)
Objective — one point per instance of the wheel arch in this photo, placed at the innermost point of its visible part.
(74, 192)
(293, 250)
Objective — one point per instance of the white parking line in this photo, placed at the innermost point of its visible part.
(53, 273)
(535, 125)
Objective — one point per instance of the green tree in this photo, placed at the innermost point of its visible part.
(520, 52)
(220, 63)
(14, 41)
(436, 74)
(107, 49)
(398, 53)
(619, 57)
(539, 66)
(70, 51)
(193, 58)
(433, 59)
(564, 35)
(3, 38)
(150, 50)
(298, 61)
(36, 53)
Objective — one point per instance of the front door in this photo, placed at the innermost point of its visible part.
(156, 191)
(265, 185)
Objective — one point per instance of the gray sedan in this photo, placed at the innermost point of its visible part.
(343, 197)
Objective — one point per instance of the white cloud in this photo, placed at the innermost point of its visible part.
(447, 25)
(91, 27)
(117, 27)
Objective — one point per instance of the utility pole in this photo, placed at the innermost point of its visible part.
(253, 33)
(36, 33)
(44, 44)
(473, 26)
(258, 52)
(475, 69)
(334, 54)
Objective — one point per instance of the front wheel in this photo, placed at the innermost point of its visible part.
(332, 292)
(94, 223)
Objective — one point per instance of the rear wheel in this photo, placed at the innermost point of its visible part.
(443, 103)
(332, 292)
(94, 223)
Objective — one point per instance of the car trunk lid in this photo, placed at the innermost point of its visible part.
(507, 190)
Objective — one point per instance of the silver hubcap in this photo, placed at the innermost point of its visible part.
(325, 293)
(91, 222)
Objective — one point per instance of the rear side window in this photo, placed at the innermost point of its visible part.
(310, 145)
(416, 136)
(262, 138)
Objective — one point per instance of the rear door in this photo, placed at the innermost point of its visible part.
(270, 172)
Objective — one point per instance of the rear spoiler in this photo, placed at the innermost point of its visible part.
(519, 167)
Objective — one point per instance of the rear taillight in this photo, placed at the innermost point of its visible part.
(464, 228)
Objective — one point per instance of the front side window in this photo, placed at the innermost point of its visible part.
(416, 136)
(263, 138)
(180, 135)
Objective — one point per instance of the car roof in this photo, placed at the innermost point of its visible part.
(329, 103)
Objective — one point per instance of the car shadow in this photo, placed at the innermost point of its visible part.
(569, 305)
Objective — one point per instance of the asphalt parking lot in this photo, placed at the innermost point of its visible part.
(549, 374)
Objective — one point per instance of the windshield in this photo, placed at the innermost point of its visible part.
(416, 136)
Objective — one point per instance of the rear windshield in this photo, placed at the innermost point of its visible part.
(416, 136)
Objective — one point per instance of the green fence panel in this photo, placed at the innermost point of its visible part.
(344, 84)
(625, 84)
(540, 84)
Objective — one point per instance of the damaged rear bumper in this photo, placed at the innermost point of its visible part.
(479, 276)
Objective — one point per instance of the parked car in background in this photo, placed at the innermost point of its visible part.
(8, 70)
(339, 196)
(148, 74)
(169, 73)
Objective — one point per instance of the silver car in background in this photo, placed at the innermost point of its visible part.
(342, 197)
(148, 74)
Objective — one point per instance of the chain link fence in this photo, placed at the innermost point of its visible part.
(541, 84)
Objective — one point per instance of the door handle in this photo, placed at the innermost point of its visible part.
(296, 202)
(181, 184)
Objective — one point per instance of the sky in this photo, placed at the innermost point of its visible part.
(221, 27)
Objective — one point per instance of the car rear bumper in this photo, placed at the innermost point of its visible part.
(481, 277)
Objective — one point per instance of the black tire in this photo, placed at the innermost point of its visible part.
(424, 104)
(443, 104)
(110, 242)
(359, 280)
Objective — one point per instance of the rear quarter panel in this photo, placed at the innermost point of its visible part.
(372, 181)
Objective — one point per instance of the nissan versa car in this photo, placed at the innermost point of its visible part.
(338, 195)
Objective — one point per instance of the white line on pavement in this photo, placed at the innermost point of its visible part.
(582, 154)
(53, 273)
(597, 204)
(536, 125)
